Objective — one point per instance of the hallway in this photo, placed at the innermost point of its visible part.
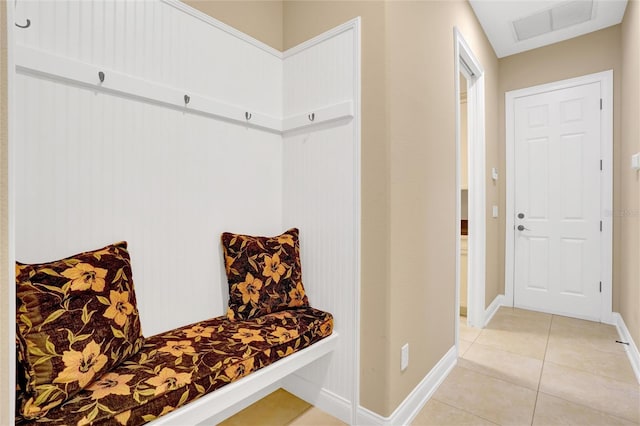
(532, 368)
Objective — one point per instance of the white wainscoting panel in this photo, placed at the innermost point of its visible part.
(320, 196)
(92, 169)
(95, 166)
(320, 74)
(156, 41)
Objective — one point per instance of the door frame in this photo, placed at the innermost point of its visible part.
(605, 79)
(467, 64)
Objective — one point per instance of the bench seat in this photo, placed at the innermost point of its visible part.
(182, 365)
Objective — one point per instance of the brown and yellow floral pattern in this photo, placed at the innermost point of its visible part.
(264, 274)
(181, 365)
(76, 319)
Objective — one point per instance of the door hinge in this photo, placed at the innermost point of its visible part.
(600, 286)
(600, 226)
(600, 165)
(600, 103)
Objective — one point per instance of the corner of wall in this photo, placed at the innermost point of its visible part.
(627, 212)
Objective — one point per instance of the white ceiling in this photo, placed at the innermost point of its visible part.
(497, 17)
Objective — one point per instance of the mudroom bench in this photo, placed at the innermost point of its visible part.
(82, 358)
(203, 371)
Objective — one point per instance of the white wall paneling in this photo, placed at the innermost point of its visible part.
(124, 159)
(73, 72)
(157, 43)
(94, 169)
(321, 196)
(101, 162)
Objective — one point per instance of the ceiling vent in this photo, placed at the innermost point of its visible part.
(561, 16)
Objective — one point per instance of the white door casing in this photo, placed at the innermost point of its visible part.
(467, 63)
(557, 258)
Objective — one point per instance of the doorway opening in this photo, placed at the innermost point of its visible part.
(470, 186)
(464, 198)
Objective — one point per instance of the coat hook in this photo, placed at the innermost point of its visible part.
(27, 25)
(312, 116)
(187, 98)
(101, 76)
(247, 116)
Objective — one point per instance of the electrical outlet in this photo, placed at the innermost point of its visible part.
(404, 357)
(635, 161)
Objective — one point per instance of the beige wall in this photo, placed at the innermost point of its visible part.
(261, 19)
(304, 20)
(423, 191)
(408, 180)
(628, 248)
(5, 380)
(591, 53)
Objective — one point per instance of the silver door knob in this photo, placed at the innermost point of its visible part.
(522, 228)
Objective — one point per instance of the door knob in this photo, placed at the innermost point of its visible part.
(522, 228)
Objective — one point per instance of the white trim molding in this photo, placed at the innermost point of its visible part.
(356, 24)
(416, 400)
(605, 79)
(631, 348)
(319, 397)
(229, 399)
(11, 260)
(466, 62)
(493, 309)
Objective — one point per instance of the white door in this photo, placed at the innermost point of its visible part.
(557, 202)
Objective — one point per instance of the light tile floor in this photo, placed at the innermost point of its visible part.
(524, 368)
(530, 368)
(281, 408)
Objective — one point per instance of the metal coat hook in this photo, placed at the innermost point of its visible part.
(27, 25)
(312, 116)
(101, 76)
(247, 116)
(187, 98)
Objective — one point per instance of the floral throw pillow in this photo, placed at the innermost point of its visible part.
(76, 319)
(264, 274)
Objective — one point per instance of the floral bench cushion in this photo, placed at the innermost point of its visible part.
(181, 365)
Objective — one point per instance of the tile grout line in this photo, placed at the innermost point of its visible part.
(580, 403)
(544, 360)
(573, 402)
(465, 411)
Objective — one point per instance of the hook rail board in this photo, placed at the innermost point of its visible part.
(37, 62)
(317, 116)
(34, 61)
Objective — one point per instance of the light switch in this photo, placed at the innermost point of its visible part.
(494, 173)
(404, 357)
(635, 161)
(495, 211)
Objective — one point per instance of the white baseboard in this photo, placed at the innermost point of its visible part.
(369, 418)
(321, 398)
(492, 309)
(415, 401)
(632, 349)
